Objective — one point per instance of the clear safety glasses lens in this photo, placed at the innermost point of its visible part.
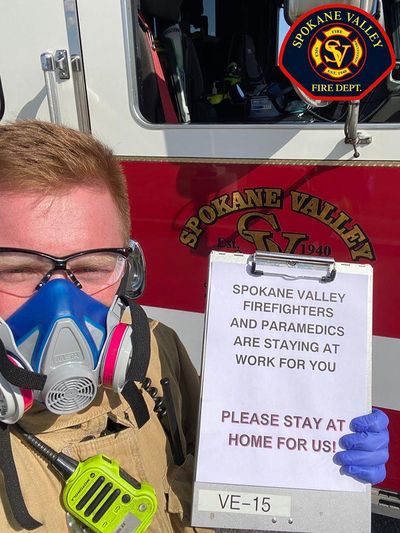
(21, 273)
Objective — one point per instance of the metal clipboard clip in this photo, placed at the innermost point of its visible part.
(259, 260)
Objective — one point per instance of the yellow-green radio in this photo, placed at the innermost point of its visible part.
(99, 493)
(105, 498)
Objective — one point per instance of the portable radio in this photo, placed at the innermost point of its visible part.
(99, 493)
(105, 498)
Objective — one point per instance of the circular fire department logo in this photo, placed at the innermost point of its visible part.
(336, 52)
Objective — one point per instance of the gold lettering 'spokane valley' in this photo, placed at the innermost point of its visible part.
(299, 202)
(336, 16)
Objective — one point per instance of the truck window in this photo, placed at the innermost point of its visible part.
(218, 64)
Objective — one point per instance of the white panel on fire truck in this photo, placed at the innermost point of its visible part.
(286, 338)
(385, 372)
(107, 35)
(28, 29)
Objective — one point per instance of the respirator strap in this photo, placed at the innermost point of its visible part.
(136, 402)
(140, 338)
(20, 377)
(11, 482)
(138, 366)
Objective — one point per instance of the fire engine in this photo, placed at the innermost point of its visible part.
(220, 151)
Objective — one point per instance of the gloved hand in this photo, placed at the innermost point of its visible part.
(366, 449)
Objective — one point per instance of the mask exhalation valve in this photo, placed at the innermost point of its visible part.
(65, 393)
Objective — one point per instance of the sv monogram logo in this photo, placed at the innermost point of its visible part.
(256, 228)
(337, 50)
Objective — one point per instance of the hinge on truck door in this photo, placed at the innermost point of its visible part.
(61, 64)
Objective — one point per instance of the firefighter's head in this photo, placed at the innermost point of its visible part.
(61, 192)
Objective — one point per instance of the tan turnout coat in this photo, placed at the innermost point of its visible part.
(145, 454)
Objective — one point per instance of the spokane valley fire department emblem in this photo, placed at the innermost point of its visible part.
(336, 52)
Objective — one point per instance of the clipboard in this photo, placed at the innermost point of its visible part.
(286, 366)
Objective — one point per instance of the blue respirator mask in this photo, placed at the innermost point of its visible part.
(61, 344)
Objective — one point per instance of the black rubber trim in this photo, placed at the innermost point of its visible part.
(83, 501)
(2, 101)
(106, 505)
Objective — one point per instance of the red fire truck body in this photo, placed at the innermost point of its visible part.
(287, 183)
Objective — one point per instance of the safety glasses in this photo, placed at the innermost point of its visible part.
(22, 272)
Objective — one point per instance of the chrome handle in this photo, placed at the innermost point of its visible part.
(48, 67)
(82, 107)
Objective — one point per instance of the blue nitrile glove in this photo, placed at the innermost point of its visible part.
(366, 450)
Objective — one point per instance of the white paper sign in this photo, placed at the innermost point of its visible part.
(285, 371)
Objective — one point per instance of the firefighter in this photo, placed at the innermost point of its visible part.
(73, 339)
